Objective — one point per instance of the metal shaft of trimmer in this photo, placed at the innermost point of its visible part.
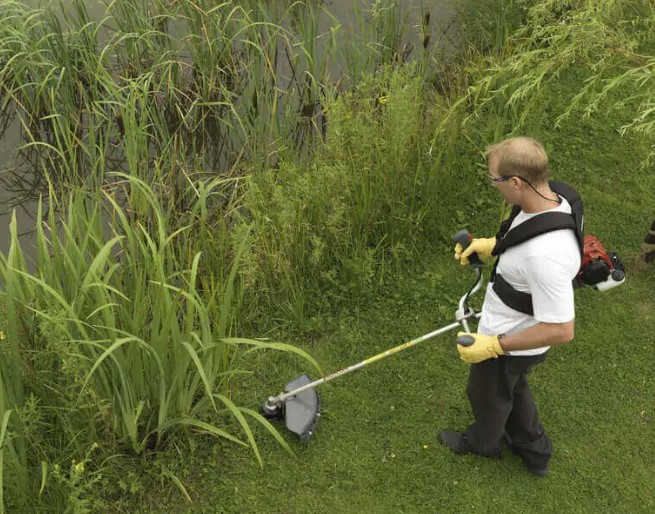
(462, 315)
(276, 400)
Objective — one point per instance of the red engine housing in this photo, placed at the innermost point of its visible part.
(594, 250)
(596, 264)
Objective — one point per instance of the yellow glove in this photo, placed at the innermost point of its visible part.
(482, 246)
(483, 348)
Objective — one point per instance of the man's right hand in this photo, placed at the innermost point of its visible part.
(482, 247)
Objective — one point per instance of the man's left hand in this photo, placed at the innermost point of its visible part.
(483, 348)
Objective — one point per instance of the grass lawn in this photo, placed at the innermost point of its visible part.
(376, 448)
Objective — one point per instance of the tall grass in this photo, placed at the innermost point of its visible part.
(228, 82)
(13, 447)
(343, 223)
(124, 325)
(612, 45)
(155, 89)
(206, 173)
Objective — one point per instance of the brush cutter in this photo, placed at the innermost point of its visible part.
(300, 403)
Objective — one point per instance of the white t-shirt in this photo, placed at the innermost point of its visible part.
(544, 267)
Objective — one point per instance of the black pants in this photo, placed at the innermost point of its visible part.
(504, 410)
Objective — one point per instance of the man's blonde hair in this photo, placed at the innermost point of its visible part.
(521, 156)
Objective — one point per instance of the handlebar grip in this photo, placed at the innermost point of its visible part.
(465, 340)
(464, 237)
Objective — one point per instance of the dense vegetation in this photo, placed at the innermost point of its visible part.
(211, 187)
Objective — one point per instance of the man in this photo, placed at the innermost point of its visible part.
(508, 342)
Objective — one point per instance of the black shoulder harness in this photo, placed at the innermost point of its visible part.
(537, 225)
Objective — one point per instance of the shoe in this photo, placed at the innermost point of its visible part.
(457, 442)
(537, 472)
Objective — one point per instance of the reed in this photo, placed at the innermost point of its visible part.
(14, 469)
(204, 165)
(120, 326)
(226, 81)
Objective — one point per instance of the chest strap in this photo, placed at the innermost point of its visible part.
(535, 226)
(514, 299)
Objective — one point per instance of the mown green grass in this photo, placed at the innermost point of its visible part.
(369, 453)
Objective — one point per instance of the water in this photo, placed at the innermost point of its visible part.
(22, 198)
(15, 197)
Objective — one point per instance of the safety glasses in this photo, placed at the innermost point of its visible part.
(499, 179)
(505, 178)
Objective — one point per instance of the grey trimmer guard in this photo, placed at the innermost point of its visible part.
(303, 409)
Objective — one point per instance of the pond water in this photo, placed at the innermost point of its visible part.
(14, 197)
(21, 197)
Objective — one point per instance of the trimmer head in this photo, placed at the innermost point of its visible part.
(301, 412)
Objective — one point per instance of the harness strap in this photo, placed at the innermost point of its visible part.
(535, 226)
(514, 299)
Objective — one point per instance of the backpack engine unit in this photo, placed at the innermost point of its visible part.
(599, 269)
